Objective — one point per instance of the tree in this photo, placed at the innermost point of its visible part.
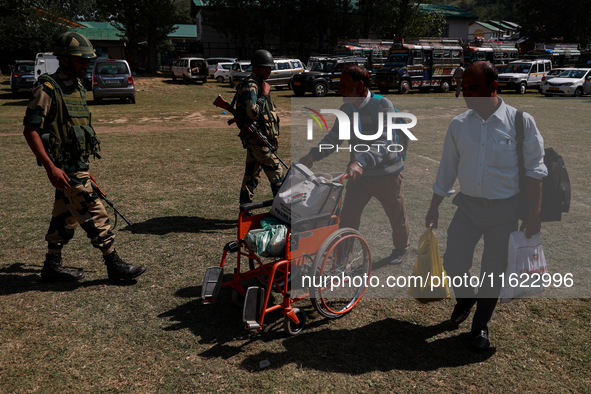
(401, 18)
(140, 21)
(545, 21)
(24, 30)
(282, 26)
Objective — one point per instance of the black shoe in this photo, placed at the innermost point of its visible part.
(54, 272)
(462, 310)
(480, 342)
(397, 257)
(118, 269)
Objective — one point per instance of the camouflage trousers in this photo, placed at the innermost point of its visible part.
(259, 158)
(79, 205)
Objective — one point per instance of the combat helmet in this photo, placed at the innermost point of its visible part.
(262, 58)
(73, 44)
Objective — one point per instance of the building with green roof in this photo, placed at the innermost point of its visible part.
(458, 20)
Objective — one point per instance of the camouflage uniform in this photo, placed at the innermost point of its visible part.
(260, 110)
(50, 108)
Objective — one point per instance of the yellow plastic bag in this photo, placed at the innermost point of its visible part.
(429, 282)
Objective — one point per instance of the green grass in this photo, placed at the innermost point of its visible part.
(173, 167)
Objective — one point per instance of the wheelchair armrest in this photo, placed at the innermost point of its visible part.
(255, 205)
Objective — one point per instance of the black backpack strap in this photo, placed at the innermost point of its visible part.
(519, 137)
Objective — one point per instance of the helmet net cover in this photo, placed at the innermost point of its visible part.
(73, 44)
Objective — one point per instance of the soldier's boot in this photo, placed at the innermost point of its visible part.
(54, 272)
(118, 269)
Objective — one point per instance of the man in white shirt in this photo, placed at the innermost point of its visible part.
(480, 151)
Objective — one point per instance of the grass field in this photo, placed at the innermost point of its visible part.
(173, 166)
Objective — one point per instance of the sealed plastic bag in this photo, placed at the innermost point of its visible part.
(269, 240)
(525, 266)
(429, 282)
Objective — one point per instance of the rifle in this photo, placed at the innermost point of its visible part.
(103, 196)
(222, 103)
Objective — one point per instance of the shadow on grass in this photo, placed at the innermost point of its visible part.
(179, 224)
(384, 345)
(21, 278)
(215, 324)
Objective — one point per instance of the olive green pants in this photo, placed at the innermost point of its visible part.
(259, 158)
(79, 205)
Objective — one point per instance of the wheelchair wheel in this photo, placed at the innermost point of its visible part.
(290, 327)
(341, 273)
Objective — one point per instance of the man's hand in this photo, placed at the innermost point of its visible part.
(58, 178)
(355, 171)
(432, 218)
(307, 160)
(265, 89)
(531, 225)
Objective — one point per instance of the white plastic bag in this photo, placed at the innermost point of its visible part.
(525, 266)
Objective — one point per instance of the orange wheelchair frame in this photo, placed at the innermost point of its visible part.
(332, 251)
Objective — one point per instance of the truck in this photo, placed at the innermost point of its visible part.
(420, 63)
(375, 51)
(498, 53)
(560, 54)
(45, 63)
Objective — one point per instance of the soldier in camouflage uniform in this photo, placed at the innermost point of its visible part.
(254, 105)
(59, 132)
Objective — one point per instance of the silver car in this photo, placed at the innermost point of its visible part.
(112, 79)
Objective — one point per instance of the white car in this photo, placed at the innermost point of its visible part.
(521, 75)
(213, 61)
(573, 82)
(222, 72)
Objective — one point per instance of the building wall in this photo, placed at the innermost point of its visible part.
(458, 28)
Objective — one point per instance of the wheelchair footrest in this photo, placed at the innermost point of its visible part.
(253, 306)
(212, 283)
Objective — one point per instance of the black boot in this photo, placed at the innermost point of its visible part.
(119, 269)
(54, 272)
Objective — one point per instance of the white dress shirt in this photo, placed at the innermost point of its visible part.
(482, 155)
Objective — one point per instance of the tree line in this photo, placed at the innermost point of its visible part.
(296, 27)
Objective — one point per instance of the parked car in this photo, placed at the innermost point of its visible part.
(87, 81)
(213, 61)
(571, 82)
(325, 76)
(222, 72)
(521, 75)
(553, 73)
(22, 77)
(190, 69)
(45, 63)
(112, 79)
(241, 66)
(284, 71)
(281, 73)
